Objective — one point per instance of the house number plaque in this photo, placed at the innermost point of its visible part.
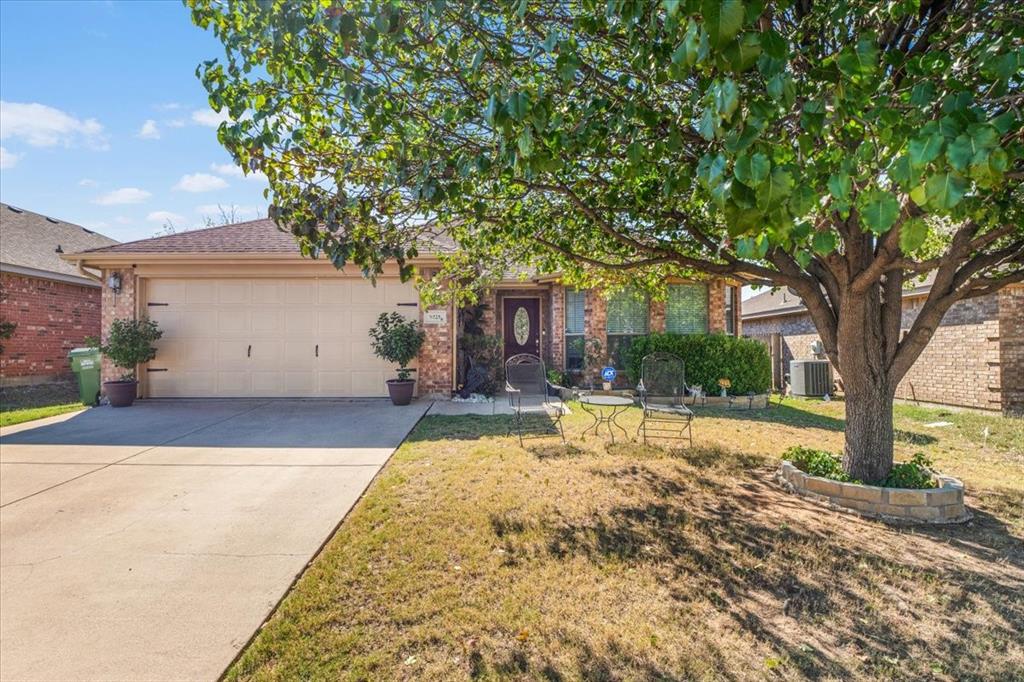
(435, 317)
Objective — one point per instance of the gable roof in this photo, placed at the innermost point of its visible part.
(32, 243)
(261, 236)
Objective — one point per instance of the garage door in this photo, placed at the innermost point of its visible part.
(271, 337)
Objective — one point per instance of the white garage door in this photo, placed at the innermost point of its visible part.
(271, 337)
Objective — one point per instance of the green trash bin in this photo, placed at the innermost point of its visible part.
(85, 363)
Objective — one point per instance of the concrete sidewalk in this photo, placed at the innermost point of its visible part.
(149, 543)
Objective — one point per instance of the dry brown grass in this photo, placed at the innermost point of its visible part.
(471, 557)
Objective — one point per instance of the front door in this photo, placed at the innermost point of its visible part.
(522, 326)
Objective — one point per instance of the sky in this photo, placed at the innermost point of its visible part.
(104, 123)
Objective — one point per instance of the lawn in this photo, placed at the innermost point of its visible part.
(470, 557)
(20, 404)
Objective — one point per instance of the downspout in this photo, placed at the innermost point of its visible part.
(88, 274)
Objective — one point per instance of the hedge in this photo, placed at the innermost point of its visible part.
(708, 358)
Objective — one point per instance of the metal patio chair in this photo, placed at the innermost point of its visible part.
(662, 391)
(526, 385)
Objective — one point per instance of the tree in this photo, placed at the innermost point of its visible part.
(838, 148)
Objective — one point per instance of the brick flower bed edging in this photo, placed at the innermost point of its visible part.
(944, 504)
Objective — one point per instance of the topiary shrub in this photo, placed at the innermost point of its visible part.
(397, 340)
(708, 358)
(129, 343)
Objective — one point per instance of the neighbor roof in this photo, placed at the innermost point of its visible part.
(782, 301)
(251, 237)
(32, 243)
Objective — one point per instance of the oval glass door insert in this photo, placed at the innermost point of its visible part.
(521, 326)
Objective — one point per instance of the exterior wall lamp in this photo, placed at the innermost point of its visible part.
(114, 283)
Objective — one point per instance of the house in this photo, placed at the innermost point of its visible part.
(53, 304)
(975, 359)
(245, 314)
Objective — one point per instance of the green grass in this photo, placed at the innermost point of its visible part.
(471, 557)
(12, 417)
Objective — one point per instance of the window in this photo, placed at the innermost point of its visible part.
(686, 309)
(574, 307)
(628, 313)
(730, 311)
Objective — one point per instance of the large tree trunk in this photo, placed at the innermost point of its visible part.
(867, 455)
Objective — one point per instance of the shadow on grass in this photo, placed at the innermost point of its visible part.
(711, 540)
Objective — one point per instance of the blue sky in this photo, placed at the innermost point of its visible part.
(104, 122)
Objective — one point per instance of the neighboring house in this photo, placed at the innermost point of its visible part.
(245, 314)
(54, 304)
(975, 359)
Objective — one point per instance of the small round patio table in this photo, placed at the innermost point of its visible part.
(604, 409)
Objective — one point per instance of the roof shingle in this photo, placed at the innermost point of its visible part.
(31, 240)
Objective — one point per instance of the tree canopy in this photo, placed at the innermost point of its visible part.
(838, 148)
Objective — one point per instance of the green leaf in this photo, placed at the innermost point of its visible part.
(912, 234)
(824, 242)
(727, 98)
(711, 170)
(773, 190)
(752, 170)
(839, 185)
(708, 125)
(945, 190)
(743, 52)
(803, 201)
(922, 94)
(924, 150)
(525, 142)
(774, 44)
(904, 173)
(857, 62)
(722, 19)
(963, 150)
(919, 195)
(879, 210)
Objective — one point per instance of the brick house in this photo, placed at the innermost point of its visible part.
(245, 314)
(54, 304)
(975, 359)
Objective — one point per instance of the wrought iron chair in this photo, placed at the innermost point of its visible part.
(662, 390)
(526, 385)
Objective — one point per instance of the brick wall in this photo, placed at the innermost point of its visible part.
(557, 326)
(116, 306)
(1011, 348)
(716, 306)
(52, 317)
(973, 360)
(434, 364)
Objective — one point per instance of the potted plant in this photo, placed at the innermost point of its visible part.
(398, 340)
(129, 344)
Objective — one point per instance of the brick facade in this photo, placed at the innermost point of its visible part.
(52, 317)
(975, 359)
(120, 305)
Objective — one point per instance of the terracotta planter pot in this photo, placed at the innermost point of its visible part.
(120, 393)
(401, 391)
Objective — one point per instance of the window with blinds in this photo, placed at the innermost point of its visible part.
(628, 315)
(686, 309)
(574, 317)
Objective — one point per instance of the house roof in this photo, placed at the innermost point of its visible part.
(32, 244)
(255, 237)
(782, 301)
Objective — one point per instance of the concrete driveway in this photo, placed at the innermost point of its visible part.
(150, 542)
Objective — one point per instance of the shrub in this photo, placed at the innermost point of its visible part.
(817, 463)
(397, 340)
(708, 358)
(129, 343)
(915, 473)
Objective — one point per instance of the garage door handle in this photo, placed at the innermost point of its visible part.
(316, 351)
(248, 353)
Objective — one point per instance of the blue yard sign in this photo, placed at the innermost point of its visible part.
(608, 374)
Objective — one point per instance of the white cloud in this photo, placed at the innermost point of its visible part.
(8, 159)
(200, 182)
(175, 123)
(149, 130)
(167, 106)
(125, 195)
(164, 217)
(123, 220)
(87, 182)
(230, 170)
(209, 117)
(43, 126)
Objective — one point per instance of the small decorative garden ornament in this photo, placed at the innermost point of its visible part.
(725, 385)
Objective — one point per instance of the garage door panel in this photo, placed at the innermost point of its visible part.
(272, 337)
(233, 322)
(233, 384)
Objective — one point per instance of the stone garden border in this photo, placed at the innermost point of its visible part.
(943, 504)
